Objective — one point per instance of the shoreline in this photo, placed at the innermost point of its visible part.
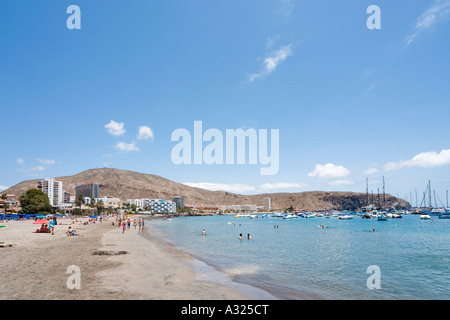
(113, 266)
(207, 272)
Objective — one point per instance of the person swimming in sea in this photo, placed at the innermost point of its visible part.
(240, 236)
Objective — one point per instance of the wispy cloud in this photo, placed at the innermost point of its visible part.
(272, 40)
(286, 7)
(423, 160)
(370, 171)
(281, 186)
(341, 183)
(370, 88)
(245, 188)
(271, 62)
(20, 161)
(47, 161)
(235, 188)
(123, 146)
(329, 170)
(115, 128)
(439, 11)
(3, 188)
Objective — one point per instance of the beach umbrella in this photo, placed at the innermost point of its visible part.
(42, 221)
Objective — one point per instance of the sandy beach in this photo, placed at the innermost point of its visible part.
(112, 265)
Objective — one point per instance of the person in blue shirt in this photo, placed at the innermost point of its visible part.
(51, 225)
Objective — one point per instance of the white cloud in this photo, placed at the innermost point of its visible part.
(20, 161)
(115, 128)
(329, 170)
(341, 182)
(126, 146)
(280, 185)
(3, 188)
(424, 160)
(145, 133)
(47, 161)
(439, 11)
(38, 168)
(235, 188)
(371, 171)
(271, 63)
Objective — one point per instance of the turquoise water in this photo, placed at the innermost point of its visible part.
(300, 260)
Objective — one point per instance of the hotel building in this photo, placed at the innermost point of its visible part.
(87, 189)
(179, 201)
(155, 205)
(53, 189)
(267, 204)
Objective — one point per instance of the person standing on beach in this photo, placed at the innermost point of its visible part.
(51, 225)
(123, 228)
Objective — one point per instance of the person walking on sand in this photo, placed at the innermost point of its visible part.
(123, 227)
(51, 225)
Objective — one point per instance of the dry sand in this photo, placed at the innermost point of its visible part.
(35, 266)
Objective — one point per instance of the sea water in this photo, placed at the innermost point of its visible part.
(296, 259)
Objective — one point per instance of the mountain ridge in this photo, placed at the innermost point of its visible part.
(127, 184)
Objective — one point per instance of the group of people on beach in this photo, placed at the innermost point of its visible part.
(50, 226)
(126, 224)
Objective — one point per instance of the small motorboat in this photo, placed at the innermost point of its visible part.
(425, 217)
(382, 217)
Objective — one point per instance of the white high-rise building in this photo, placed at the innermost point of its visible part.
(267, 204)
(54, 190)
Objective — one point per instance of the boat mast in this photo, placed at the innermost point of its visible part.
(435, 202)
(367, 190)
(384, 195)
(429, 193)
(416, 199)
(379, 203)
(447, 198)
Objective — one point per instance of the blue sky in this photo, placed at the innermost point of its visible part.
(349, 102)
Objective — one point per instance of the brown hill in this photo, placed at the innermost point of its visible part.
(126, 184)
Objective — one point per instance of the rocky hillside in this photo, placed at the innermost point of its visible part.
(125, 184)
